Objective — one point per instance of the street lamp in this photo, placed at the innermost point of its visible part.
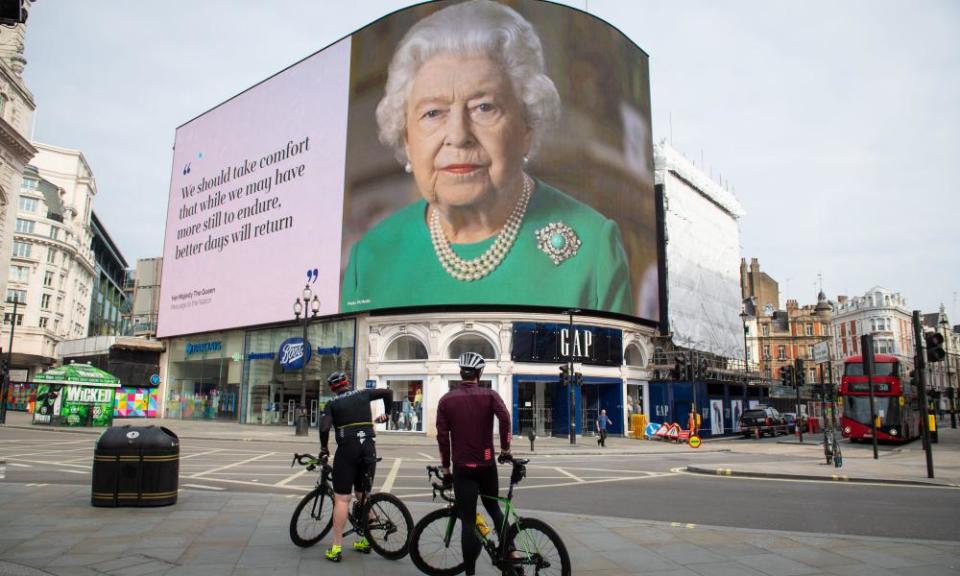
(746, 354)
(307, 300)
(5, 375)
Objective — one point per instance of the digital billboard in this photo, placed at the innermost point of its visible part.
(474, 153)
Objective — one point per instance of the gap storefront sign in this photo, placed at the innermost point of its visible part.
(553, 343)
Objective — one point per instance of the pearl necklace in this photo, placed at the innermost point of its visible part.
(477, 268)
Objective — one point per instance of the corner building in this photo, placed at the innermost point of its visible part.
(234, 348)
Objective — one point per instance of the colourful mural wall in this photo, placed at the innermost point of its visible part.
(136, 403)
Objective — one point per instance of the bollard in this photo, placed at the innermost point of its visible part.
(532, 436)
(302, 422)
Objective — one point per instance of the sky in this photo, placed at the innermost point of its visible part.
(836, 124)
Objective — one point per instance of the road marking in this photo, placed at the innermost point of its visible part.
(562, 471)
(291, 477)
(388, 483)
(202, 453)
(202, 487)
(73, 471)
(682, 525)
(18, 465)
(650, 475)
(36, 485)
(235, 464)
(427, 456)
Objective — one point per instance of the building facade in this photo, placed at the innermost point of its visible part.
(880, 312)
(145, 298)
(16, 151)
(52, 268)
(109, 306)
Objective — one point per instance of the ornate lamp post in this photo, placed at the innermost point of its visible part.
(307, 300)
(746, 351)
(572, 381)
(5, 372)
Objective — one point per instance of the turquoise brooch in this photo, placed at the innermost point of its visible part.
(558, 241)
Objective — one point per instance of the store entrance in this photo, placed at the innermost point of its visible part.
(406, 415)
(535, 408)
(202, 393)
(598, 397)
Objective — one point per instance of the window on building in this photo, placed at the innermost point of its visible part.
(471, 343)
(22, 249)
(15, 295)
(54, 232)
(48, 278)
(29, 184)
(28, 204)
(25, 226)
(45, 301)
(406, 348)
(8, 315)
(766, 329)
(808, 329)
(766, 351)
(63, 280)
(52, 255)
(43, 321)
(810, 351)
(781, 352)
(20, 273)
(56, 324)
(812, 376)
(60, 304)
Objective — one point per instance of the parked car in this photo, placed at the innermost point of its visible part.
(791, 418)
(762, 420)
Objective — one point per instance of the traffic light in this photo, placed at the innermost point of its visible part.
(680, 367)
(578, 378)
(564, 374)
(935, 352)
(801, 376)
(786, 375)
(702, 368)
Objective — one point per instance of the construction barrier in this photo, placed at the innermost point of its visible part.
(638, 426)
(651, 430)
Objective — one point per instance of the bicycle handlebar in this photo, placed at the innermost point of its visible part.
(308, 460)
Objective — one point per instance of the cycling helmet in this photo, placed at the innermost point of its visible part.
(338, 381)
(472, 361)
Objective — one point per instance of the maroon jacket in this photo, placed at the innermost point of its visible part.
(465, 420)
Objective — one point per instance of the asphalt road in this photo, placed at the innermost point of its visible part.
(650, 487)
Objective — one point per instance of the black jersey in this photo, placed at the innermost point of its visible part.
(349, 414)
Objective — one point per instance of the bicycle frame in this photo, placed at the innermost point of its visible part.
(325, 483)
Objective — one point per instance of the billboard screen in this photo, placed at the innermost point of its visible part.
(476, 153)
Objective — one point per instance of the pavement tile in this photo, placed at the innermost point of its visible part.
(202, 570)
(729, 568)
(267, 557)
(72, 571)
(74, 559)
(198, 554)
(639, 559)
(928, 571)
(685, 554)
(861, 570)
(879, 556)
(776, 565)
(822, 559)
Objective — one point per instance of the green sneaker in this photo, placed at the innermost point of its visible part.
(362, 546)
(335, 553)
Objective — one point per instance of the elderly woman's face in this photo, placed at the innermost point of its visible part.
(466, 134)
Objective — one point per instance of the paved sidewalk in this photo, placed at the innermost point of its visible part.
(786, 458)
(53, 529)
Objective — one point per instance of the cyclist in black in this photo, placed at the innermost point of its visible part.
(349, 414)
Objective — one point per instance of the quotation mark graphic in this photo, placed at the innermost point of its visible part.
(186, 169)
(312, 275)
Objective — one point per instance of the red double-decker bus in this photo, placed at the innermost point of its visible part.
(895, 401)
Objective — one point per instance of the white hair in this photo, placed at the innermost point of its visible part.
(475, 26)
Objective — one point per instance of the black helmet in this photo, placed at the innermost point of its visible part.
(338, 381)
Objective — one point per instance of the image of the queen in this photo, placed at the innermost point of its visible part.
(466, 105)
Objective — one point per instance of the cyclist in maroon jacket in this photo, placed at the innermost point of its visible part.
(465, 423)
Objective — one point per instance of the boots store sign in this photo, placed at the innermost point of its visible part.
(553, 343)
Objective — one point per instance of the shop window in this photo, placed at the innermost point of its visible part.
(471, 343)
(634, 357)
(406, 348)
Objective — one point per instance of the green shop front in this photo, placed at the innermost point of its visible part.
(75, 395)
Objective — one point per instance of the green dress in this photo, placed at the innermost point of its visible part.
(395, 265)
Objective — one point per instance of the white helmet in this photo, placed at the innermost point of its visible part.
(472, 361)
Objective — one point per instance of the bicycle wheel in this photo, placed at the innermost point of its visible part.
(536, 549)
(388, 525)
(312, 518)
(435, 544)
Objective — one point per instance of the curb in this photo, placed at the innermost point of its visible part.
(832, 478)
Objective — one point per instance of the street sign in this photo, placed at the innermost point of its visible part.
(694, 441)
(821, 353)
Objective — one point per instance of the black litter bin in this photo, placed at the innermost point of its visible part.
(136, 466)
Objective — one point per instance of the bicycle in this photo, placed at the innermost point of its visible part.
(528, 545)
(831, 448)
(382, 518)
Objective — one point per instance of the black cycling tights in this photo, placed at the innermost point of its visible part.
(468, 483)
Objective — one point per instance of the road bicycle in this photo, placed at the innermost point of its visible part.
(382, 518)
(528, 547)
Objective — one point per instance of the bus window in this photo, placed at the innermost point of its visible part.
(879, 369)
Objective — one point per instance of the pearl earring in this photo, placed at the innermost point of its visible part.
(408, 168)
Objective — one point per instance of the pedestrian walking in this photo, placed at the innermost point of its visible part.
(603, 421)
